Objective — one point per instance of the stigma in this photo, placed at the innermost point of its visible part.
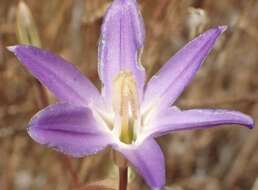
(126, 106)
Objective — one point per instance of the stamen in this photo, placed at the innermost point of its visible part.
(125, 104)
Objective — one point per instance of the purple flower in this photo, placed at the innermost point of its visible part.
(128, 114)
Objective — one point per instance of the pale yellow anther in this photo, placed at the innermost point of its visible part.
(125, 103)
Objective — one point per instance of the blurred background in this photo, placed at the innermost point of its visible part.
(215, 159)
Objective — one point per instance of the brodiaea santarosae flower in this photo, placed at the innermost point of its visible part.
(128, 114)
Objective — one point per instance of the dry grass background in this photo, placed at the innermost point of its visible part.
(216, 159)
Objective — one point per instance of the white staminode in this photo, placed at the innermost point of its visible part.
(125, 105)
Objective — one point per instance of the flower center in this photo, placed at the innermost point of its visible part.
(126, 106)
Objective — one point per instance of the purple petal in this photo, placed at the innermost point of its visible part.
(173, 77)
(61, 78)
(171, 120)
(122, 38)
(70, 129)
(148, 160)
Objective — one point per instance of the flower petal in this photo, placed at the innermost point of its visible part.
(70, 129)
(171, 120)
(173, 77)
(61, 78)
(148, 160)
(121, 39)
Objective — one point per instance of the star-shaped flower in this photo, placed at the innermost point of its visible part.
(128, 114)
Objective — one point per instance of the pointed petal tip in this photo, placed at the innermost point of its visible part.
(12, 48)
(251, 123)
(247, 121)
(217, 30)
(223, 28)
